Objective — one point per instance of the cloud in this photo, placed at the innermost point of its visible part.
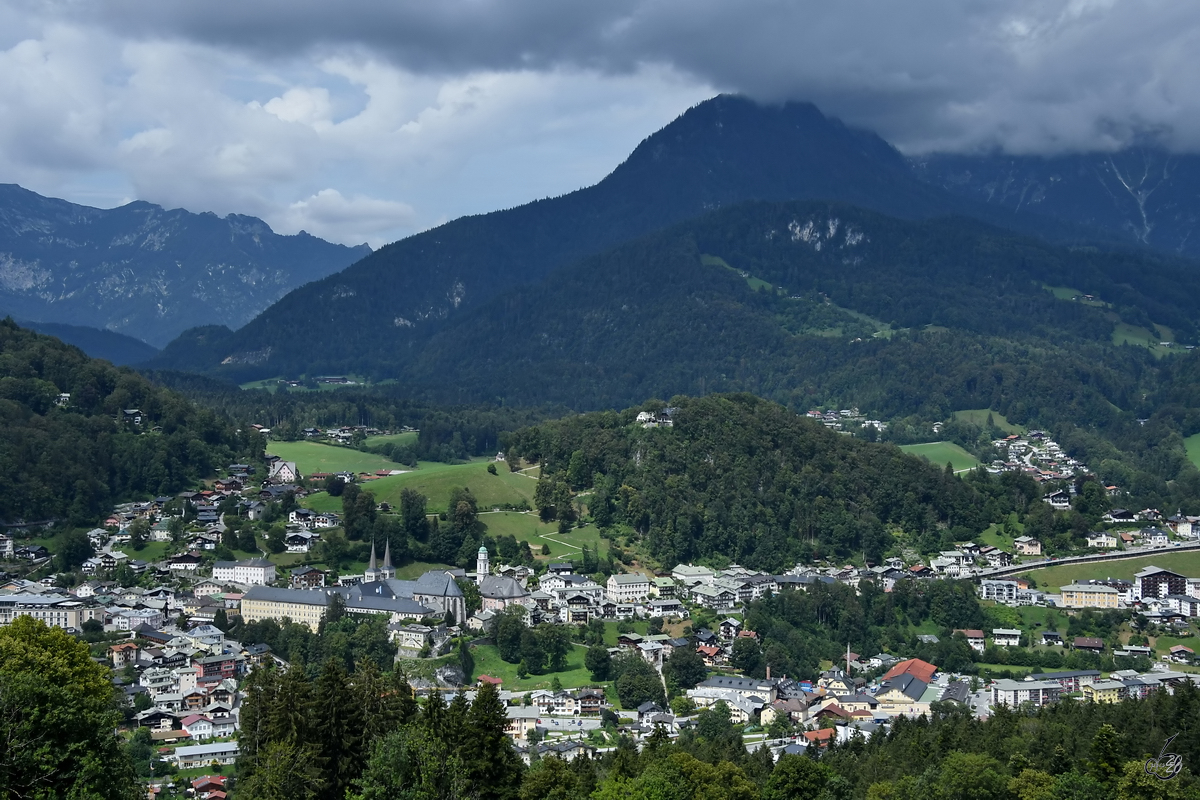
(367, 120)
(328, 214)
(1025, 75)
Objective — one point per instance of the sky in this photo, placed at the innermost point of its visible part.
(366, 121)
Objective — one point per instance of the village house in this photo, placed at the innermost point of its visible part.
(628, 588)
(1027, 546)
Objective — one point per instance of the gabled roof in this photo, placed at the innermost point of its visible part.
(922, 670)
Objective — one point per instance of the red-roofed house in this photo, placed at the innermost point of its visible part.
(821, 738)
(975, 639)
(198, 726)
(124, 653)
(489, 679)
(921, 670)
(1182, 654)
(711, 654)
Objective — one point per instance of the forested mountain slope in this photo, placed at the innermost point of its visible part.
(147, 271)
(814, 304)
(72, 458)
(98, 343)
(724, 151)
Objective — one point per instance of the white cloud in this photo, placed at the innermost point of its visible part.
(330, 215)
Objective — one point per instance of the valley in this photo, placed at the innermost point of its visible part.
(771, 441)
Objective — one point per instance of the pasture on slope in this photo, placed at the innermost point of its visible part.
(313, 457)
(943, 453)
(436, 480)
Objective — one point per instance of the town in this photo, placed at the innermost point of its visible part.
(166, 626)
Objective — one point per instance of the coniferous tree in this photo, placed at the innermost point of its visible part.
(337, 730)
(492, 767)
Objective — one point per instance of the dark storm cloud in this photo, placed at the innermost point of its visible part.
(1049, 75)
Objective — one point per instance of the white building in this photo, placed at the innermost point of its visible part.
(254, 572)
(1006, 637)
(628, 588)
(1000, 591)
(283, 472)
(690, 575)
(1014, 693)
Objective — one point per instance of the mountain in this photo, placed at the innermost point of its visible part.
(722, 152)
(785, 299)
(145, 271)
(108, 345)
(1144, 194)
(817, 304)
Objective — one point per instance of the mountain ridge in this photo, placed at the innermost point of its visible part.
(146, 271)
(421, 281)
(723, 151)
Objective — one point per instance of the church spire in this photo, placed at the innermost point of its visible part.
(388, 570)
(372, 571)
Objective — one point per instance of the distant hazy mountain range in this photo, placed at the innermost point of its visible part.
(147, 272)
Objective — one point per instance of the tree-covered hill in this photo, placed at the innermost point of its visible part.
(736, 477)
(72, 458)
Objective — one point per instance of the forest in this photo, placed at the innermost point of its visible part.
(72, 458)
(740, 479)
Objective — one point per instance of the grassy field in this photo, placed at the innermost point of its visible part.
(407, 437)
(568, 545)
(488, 662)
(943, 453)
(313, 457)
(1187, 563)
(1192, 443)
(153, 551)
(525, 527)
(754, 283)
(435, 481)
(993, 535)
(978, 416)
(1124, 333)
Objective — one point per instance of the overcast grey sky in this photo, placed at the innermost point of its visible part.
(367, 121)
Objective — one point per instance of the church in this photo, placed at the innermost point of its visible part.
(497, 592)
(434, 593)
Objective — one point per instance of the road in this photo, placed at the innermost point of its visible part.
(1132, 552)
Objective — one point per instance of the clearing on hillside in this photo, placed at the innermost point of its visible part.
(1192, 443)
(435, 480)
(407, 437)
(313, 457)
(978, 416)
(943, 453)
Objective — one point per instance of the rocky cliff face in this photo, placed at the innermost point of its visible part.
(147, 272)
(1143, 194)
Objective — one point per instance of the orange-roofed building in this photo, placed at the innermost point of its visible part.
(821, 737)
(921, 670)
